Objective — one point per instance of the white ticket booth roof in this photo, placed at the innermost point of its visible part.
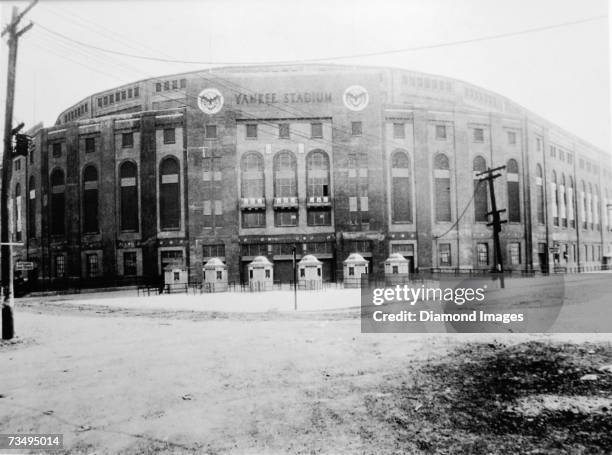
(396, 264)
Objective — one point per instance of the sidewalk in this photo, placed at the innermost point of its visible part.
(243, 302)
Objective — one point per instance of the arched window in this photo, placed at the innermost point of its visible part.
(481, 203)
(608, 211)
(442, 189)
(596, 209)
(58, 203)
(570, 203)
(318, 189)
(129, 196)
(584, 206)
(253, 176)
(317, 174)
(169, 194)
(285, 175)
(590, 211)
(18, 212)
(401, 188)
(32, 208)
(514, 197)
(539, 194)
(554, 193)
(562, 201)
(90, 200)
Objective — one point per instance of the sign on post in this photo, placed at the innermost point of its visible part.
(23, 265)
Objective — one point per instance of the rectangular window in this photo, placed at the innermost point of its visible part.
(483, 253)
(183, 83)
(57, 150)
(127, 140)
(356, 128)
(167, 85)
(211, 132)
(444, 252)
(158, 87)
(283, 131)
(174, 84)
(285, 218)
(92, 265)
(129, 92)
(123, 96)
(441, 132)
(59, 266)
(129, 263)
(251, 131)
(90, 145)
(136, 92)
(514, 202)
(478, 135)
(561, 155)
(111, 98)
(319, 217)
(515, 253)
(106, 100)
(399, 131)
(253, 219)
(442, 199)
(169, 136)
(171, 258)
(99, 102)
(316, 130)
(213, 251)
(553, 151)
(511, 138)
(17, 164)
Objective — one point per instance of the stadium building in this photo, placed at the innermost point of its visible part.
(246, 161)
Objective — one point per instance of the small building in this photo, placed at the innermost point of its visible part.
(310, 273)
(397, 269)
(354, 266)
(261, 274)
(176, 278)
(215, 276)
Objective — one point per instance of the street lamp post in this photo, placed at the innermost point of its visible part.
(294, 278)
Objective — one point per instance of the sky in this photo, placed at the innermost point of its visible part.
(562, 73)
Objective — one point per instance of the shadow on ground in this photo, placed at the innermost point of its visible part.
(534, 397)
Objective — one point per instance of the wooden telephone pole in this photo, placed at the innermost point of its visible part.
(7, 162)
(497, 221)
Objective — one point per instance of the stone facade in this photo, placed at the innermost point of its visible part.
(361, 120)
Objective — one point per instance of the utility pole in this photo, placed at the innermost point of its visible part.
(497, 221)
(7, 163)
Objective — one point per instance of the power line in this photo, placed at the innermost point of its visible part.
(338, 57)
(462, 213)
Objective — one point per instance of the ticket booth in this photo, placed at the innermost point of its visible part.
(354, 266)
(397, 269)
(261, 274)
(310, 273)
(215, 276)
(176, 278)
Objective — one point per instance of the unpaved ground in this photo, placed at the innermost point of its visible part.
(118, 380)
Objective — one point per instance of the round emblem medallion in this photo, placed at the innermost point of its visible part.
(210, 100)
(356, 98)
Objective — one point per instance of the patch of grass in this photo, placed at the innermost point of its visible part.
(464, 403)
